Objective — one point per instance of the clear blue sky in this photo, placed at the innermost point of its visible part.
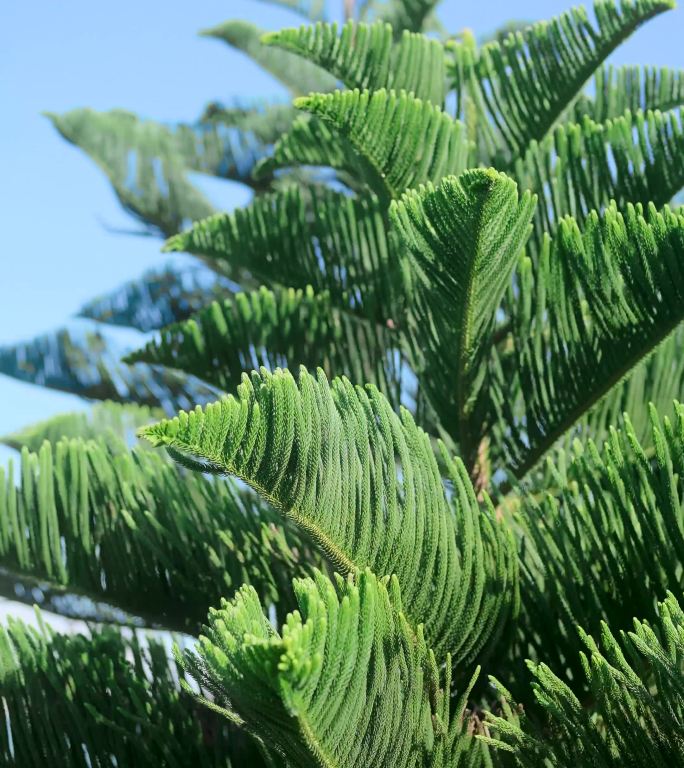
(144, 56)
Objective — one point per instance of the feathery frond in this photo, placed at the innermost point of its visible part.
(158, 298)
(634, 159)
(110, 422)
(521, 86)
(88, 365)
(297, 75)
(464, 237)
(637, 684)
(600, 301)
(364, 56)
(281, 328)
(363, 482)
(294, 238)
(606, 544)
(616, 90)
(76, 701)
(348, 682)
(406, 141)
(102, 521)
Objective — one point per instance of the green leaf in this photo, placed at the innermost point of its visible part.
(616, 90)
(347, 683)
(364, 56)
(634, 159)
(158, 298)
(108, 421)
(638, 699)
(280, 328)
(88, 365)
(600, 301)
(297, 76)
(364, 483)
(464, 238)
(405, 140)
(296, 238)
(100, 700)
(100, 520)
(521, 86)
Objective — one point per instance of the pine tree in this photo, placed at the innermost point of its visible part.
(421, 501)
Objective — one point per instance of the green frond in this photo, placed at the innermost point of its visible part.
(606, 543)
(88, 365)
(147, 163)
(634, 159)
(143, 163)
(600, 301)
(312, 142)
(295, 238)
(521, 86)
(297, 75)
(364, 56)
(464, 238)
(659, 379)
(407, 141)
(110, 422)
(616, 90)
(76, 701)
(637, 688)
(102, 521)
(364, 483)
(158, 298)
(281, 328)
(347, 683)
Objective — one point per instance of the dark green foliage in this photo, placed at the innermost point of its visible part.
(607, 542)
(631, 89)
(103, 521)
(274, 328)
(464, 237)
(406, 141)
(364, 56)
(325, 239)
(606, 296)
(102, 700)
(521, 86)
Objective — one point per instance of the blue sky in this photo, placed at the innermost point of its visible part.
(57, 207)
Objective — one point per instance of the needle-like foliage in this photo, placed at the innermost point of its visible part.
(480, 250)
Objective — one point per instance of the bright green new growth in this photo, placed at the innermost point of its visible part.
(364, 484)
(346, 682)
(636, 681)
